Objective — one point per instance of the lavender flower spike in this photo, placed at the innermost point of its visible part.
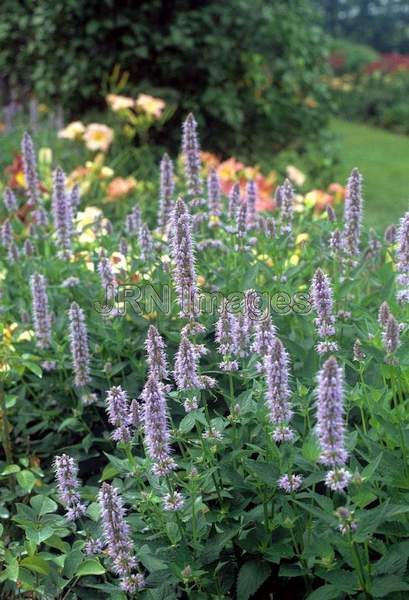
(118, 413)
(241, 220)
(402, 254)
(234, 201)
(167, 186)
(390, 336)
(79, 345)
(264, 334)
(227, 334)
(353, 214)
(330, 423)
(62, 213)
(157, 436)
(321, 292)
(213, 196)
(251, 199)
(186, 366)
(117, 537)
(146, 243)
(10, 201)
(191, 156)
(285, 201)
(68, 486)
(41, 314)
(184, 260)
(6, 234)
(156, 355)
(276, 370)
(107, 277)
(30, 169)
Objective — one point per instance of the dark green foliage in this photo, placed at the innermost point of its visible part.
(252, 70)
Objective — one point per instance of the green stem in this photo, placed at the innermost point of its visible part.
(5, 437)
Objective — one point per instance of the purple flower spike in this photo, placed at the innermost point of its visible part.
(383, 314)
(264, 334)
(214, 196)
(41, 314)
(146, 243)
(13, 253)
(157, 436)
(133, 221)
(390, 335)
(186, 366)
(285, 202)
(276, 370)
(241, 220)
(251, 199)
(10, 201)
(402, 255)
(117, 537)
(184, 259)
(167, 186)
(30, 169)
(156, 354)
(6, 234)
(62, 213)
(227, 331)
(28, 248)
(321, 293)
(79, 345)
(118, 413)
(290, 483)
(353, 214)
(191, 157)
(66, 472)
(330, 414)
(173, 502)
(234, 201)
(107, 277)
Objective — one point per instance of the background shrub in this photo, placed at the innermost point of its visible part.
(244, 67)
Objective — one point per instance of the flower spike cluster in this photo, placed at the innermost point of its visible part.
(79, 345)
(118, 540)
(118, 413)
(191, 157)
(156, 354)
(276, 371)
(321, 293)
(66, 472)
(30, 169)
(41, 314)
(62, 213)
(330, 424)
(227, 337)
(184, 259)
(353, 214)
(167, 186)
(402, 266)
(213, 196)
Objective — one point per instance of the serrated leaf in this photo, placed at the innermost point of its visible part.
(36, 564)
(90, 567)
(251, 576)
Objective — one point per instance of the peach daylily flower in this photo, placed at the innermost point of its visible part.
(116, 102)
(73, 131)
(119, 187)
(150, 105)
(98, 137)
(295, 175)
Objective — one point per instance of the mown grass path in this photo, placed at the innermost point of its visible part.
(383, 159)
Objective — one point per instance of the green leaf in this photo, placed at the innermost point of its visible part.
(251, 576)
(72, 562)
(43, 505)
(39, 535)
(383, 586)
(36, 564)
(10, 469)
(90, 567)
(26, 479)
(325, 592)
(33, 368)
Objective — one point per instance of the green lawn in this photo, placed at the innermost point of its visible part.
(383, 159)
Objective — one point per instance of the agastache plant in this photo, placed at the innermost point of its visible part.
(402, 255)
(353, 215)
(157, 436)
(117, 537)
(285, 202)
(107, 277)
(118, 413)
(330, 424)
(10, 200)
(276, 371)
(233, 201)
(321, 292)
(213, 197)
(156, 354)
(30, 169)
(146, 243)
(79, 345)
(184, 260)
(227, 337)
(167, 186)
(62, 213)
(41, 314)
(186, 366)
(191, 159)
(66, 473)
(251, 199)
